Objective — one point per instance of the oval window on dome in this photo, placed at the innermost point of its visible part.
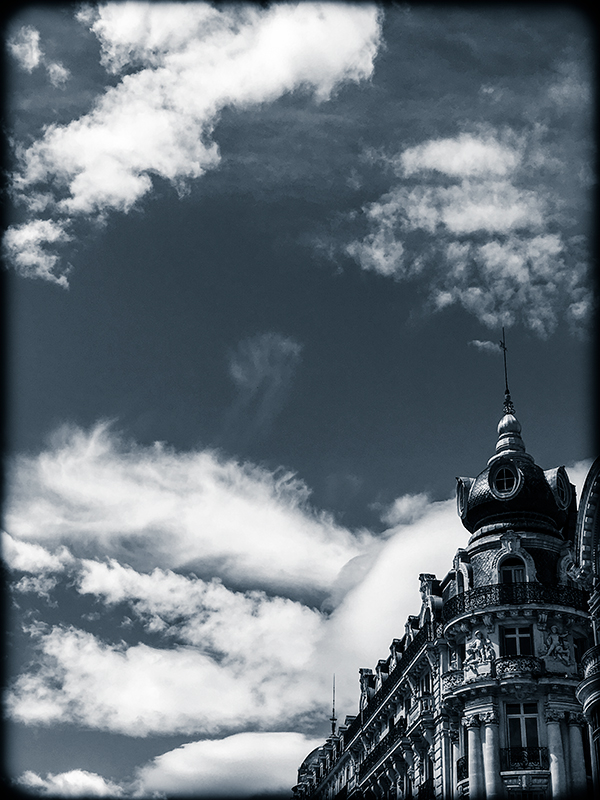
(505, 481)
(563, 490)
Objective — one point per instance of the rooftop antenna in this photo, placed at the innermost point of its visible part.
(333, 717)
(508, 403)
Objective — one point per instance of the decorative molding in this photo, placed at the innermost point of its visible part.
(554, 714)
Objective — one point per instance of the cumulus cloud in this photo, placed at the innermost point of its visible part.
(179, 66)
(24, 46)
(231, 767)
(75, 783)
(153, 507)
(472, 219)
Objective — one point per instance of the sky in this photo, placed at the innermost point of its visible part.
(259, 259)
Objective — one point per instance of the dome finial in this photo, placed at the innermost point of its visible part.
(508, 406)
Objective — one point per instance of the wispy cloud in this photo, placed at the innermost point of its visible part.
(473, 219)
(180, 65)
(486, 346)
(150, 507)
(262, 368)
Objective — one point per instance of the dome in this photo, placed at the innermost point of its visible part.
(512, 491)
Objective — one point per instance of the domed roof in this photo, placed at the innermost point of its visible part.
(512, 491)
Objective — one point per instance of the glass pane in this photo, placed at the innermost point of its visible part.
(514, 732)
(513, 708)
(531, 731)
(510, 645)
(525, 642)
(530, 708)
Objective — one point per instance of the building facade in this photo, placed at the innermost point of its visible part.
(493, 690)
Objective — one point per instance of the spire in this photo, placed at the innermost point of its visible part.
(508, 403)
(509, 427)
(333, 718)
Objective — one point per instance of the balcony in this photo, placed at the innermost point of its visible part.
(381, 749)
(422, 705)
(521, 758)
(518, 667)
(513, 594)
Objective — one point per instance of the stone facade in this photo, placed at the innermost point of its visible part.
(483, 696)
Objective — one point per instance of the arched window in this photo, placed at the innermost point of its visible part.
(460, 582)
(512, 570)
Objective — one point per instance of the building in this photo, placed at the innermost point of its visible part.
(482, 696)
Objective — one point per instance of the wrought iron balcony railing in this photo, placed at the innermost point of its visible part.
(524, 758)
(520, 594)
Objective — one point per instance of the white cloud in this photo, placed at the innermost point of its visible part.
(492, 243)
(486, 346)
(406, 509)
(238, 766)
(57, 73)
(31, 557)
(75, 783)
(190, 60)
(24, 247)
(25, 48)
(152, 507)
(465, 156)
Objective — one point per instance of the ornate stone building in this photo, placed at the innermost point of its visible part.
(483, 694)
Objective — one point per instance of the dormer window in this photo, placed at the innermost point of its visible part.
(512, 570)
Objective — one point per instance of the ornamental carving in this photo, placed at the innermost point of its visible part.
(472, 720)
(479, 656)
(554, 715)
(489, 718)
(576, 718)
(510, 666)
(557, 647)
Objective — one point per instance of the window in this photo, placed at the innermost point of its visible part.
(505, 481)
(522, 724)
(460, 582)
(517, 642)
(512, 570)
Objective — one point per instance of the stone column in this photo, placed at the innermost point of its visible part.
(558, 780)
(491, 756)
(577, 757)
(476, 776)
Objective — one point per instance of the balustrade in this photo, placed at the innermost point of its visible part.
(500, 594)
(524, 758)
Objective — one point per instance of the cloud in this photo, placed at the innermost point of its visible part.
(231, 767)
(466, 156)
(24, 46)
(75, 783)
(179, 66)
(486, 346)
(406, 509)
(151, 507)
(473, 220)
(262, 368)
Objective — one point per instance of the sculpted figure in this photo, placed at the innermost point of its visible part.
(557, 647)
(479, 651)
